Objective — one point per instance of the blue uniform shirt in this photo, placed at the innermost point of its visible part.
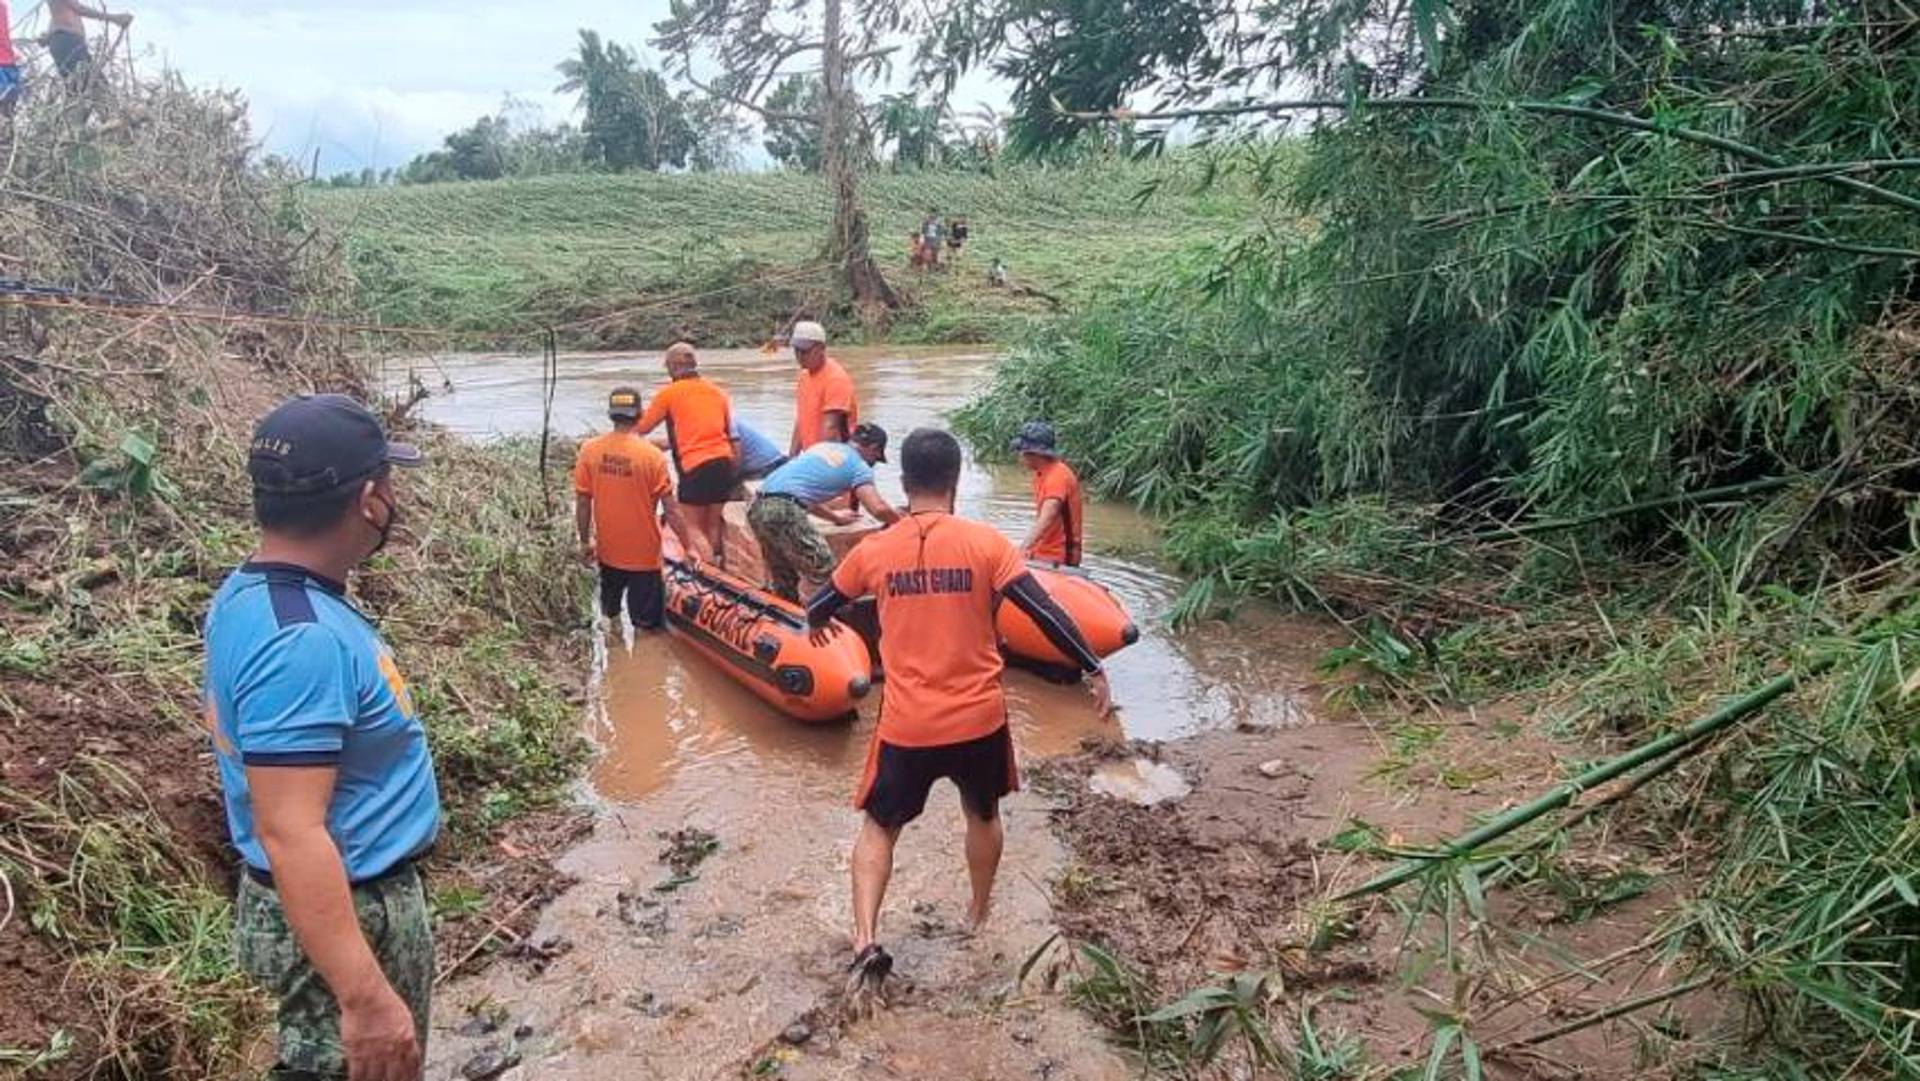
(296, 676)
(757, 452)
(820, 473)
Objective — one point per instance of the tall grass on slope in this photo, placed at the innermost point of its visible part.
(123, 503)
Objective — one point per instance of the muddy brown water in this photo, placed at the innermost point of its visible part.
(655, 978)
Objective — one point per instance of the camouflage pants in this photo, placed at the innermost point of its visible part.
(789, 545)
(393, 916)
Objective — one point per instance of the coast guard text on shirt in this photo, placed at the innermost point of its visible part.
(929, 580)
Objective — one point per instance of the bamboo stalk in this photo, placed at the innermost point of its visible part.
(1619, 1009)
(1545, 108)
(1802, 239)
(1555, 525)
(1730, 713)
(1799, 172)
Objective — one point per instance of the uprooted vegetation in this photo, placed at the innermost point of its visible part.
(123, 503)
(1622, 417)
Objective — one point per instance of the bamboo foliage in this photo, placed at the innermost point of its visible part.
(1536, 390)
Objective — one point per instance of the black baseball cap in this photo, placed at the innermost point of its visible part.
(319, 443)
(872, 435)
(623, 403)
(1036, 437)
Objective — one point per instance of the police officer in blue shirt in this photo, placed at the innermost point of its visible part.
(328, 783)
(756, 454)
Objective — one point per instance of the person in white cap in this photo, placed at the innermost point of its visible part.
(826, 408)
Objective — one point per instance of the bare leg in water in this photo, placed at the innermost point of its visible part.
(872, 869)
(711, 520)
(985, 839)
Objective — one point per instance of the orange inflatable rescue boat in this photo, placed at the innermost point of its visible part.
(1099, 614)
(761, 640)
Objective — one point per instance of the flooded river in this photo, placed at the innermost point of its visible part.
(699, 978)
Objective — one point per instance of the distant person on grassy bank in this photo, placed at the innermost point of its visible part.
(957, 233)
(826, 408)
(12, 86)
(621, 495)
(699, 420)
(931, 234)
(67, 37)
(1058, 507)
(810, 485)
(938, 579)
(324, 767)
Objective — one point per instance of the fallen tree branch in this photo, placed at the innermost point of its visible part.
(499, 926)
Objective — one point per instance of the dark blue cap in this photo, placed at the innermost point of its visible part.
(1036, 437)
(872, 435)
(318, 443)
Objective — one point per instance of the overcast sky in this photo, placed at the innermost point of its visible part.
(374, 82)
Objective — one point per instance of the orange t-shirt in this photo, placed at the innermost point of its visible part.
(937, 580)
(828, 390)
(1060, 543)
(699, 420)
(627, 477)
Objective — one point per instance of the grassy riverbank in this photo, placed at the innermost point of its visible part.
(509, 257)
(125, 502)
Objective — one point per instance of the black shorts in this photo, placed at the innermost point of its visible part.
(645, 593)
(984, 770)
(70, 53)
(708, 483)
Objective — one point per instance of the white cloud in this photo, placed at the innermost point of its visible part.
(374, 83)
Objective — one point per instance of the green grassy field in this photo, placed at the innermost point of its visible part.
(511, 256)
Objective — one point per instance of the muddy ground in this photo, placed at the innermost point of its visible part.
(706, 929)
(151, 764)
(1235, 877)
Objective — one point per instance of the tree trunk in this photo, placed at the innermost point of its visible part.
(848, 244)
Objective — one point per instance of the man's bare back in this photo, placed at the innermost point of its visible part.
(67, 15)
(67, 37)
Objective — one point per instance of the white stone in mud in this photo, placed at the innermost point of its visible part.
(1140, 781)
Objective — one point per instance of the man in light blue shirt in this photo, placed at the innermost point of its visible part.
(757, 455)
(809, 485)
(324, 768)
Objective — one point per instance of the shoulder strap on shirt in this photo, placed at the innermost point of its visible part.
(287, 592)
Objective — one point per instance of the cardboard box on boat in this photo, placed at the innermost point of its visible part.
(743, 552)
